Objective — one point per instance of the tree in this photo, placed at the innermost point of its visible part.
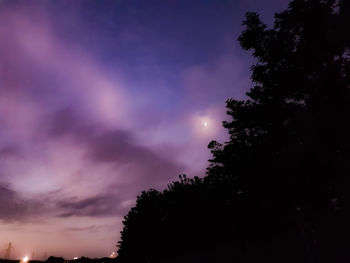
(277, 191)
(289, 142)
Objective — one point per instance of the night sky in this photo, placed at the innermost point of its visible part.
(100, 100)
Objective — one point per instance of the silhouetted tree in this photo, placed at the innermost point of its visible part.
(278, 190)
(289, 142)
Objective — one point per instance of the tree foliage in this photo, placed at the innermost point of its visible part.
(278, 190)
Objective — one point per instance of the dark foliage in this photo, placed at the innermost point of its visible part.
(53, 259)
(8, 261)
(278, 191)
(93, 260)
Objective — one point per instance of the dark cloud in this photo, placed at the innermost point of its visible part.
(13, 207)
(10, 152)
(90, 228)
(118, 147)
(66, 122)
(99, 205)
(63, 121)
(145, 167)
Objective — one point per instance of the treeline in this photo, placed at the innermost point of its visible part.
(279, 189)
(53, 259)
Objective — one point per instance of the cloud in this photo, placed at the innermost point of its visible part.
(13, 207)
(215, 82)
(99, 205)
(89, 228)
(10, 151)
(114, 146)
(83, 131)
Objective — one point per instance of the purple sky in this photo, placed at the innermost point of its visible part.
(100, 100)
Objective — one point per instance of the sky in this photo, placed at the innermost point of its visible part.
(100, 100)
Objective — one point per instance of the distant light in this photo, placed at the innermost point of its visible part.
(25, 259)
(113, 255)
(75, 258)
(205, 124)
